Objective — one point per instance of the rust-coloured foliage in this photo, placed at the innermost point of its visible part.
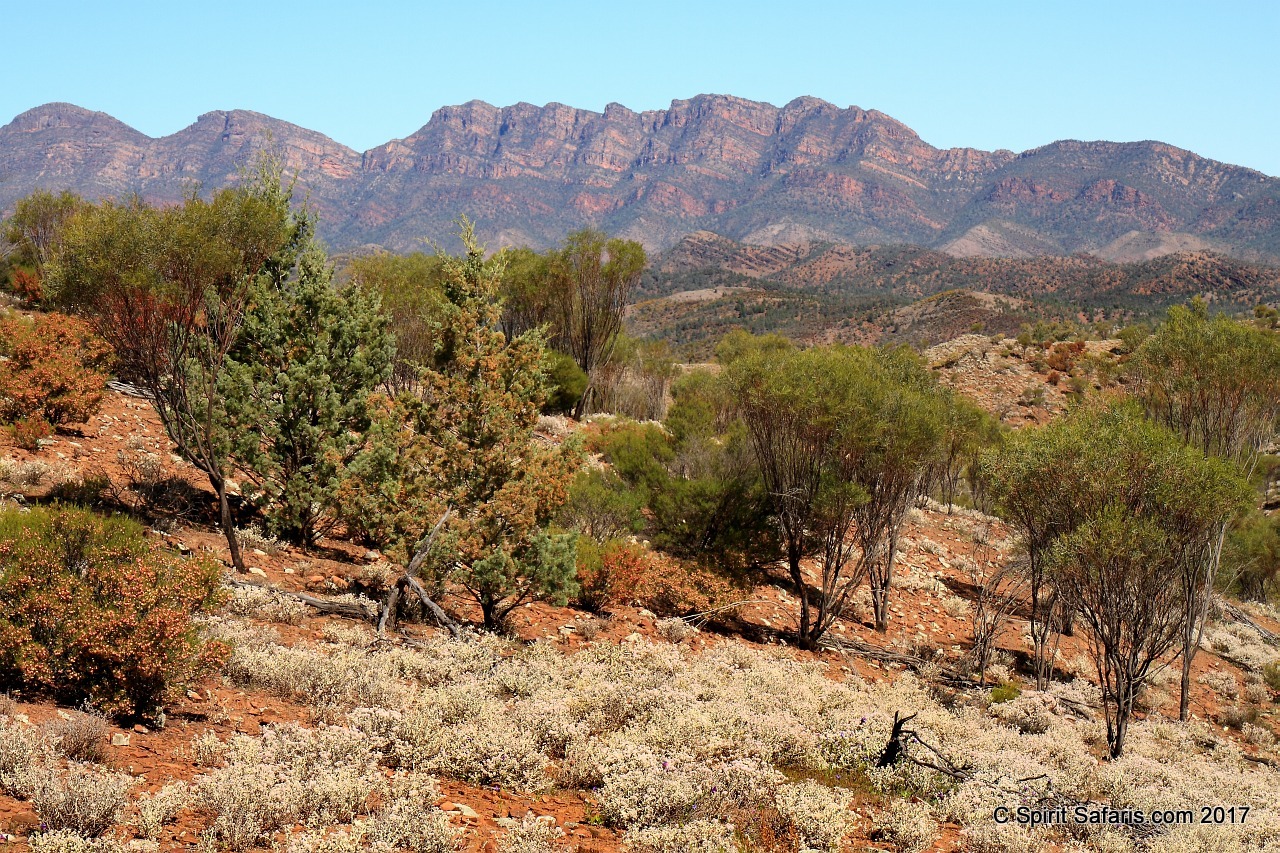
(90, 612)
(55, 370)
(27, 432)
(621, 573)
(1063, 357)
(27, 285)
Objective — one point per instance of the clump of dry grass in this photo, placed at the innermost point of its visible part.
(62, 841)
(254, 536)
(23, 475)
(289, 775)
(675, 630)
(910, 826)
(590, 627)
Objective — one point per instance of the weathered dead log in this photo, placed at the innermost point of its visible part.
(848, 645)
(895, 749)
(900, 737)
(348, 608)
(1260, 759)
(1237, 614)
(389, 610)
(443, 619)
(410, 580)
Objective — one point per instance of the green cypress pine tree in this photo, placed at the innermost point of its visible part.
(297, 389)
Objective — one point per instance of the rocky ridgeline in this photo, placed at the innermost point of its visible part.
(808, 170)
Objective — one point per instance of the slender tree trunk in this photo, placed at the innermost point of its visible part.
(1041, 625)
(489, 608)
(1194, 633)
(390, 608)
(802, 590)
(880, 608)
(580, 408)
(1123, 713)
(880, 591)
(228, 525)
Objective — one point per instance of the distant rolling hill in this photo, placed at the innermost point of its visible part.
(708, 284)
(807, 172)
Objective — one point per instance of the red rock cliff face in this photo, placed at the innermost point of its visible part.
(805, 170)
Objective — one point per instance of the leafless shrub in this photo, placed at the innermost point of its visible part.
(254, 536)
(145, 475)
(696, 836)
(555, 426)
(289, 775)
(81, 736)
(675, 630)
(1028, 714)
(24, 475)
(818, 813)
(21, 750)
(207, 749)
(1238, 716)
(408, 821)
(1222, 683)
(955, 606)
(1258, 735)
(267, 605)
(908, 825)
(319, 841)
(1256, 692)
(1151, 699)
(590, 627)
(999, 586)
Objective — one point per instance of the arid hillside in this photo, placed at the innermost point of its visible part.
(624, 729)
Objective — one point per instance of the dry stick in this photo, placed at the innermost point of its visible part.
(410, 580)
(895, 749)
(699, 619)
(1239, 615)
(441, 617)
(388, 610)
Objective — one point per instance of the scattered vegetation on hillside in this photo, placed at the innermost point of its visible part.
(451, 439)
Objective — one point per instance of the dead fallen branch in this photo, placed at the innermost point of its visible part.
(896, 750)
(351, 608)
(409, 580)
(1233, 613)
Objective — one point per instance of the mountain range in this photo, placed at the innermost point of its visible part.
(753, 172)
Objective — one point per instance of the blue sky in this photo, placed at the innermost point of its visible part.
(990, 75)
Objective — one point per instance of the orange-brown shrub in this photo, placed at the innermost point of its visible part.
(90, 612)
(621, 572)
(1063, 356)
(55, 369)
(26, 285)
(27, 432)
